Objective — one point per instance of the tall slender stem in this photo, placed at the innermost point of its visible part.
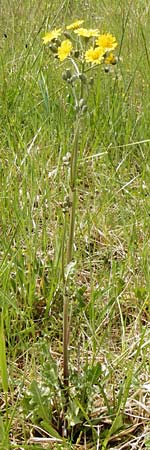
(73, 175)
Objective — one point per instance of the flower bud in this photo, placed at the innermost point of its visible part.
(64, 76)
(107, 69)
(91, 81)
(82, 77)
(76, 53)
(67, 34)
(73, 78)
(53, 48)
(68, 72)
(57, 42)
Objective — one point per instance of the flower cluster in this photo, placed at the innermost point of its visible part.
(101, 50)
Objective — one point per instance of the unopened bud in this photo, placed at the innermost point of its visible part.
(107, 69)
(68, 72)
(67, 34)
(91, 81)
(64, 76)
(76, 53)
(82, 77)
(73, 78)
(53, 48)
(57, 42)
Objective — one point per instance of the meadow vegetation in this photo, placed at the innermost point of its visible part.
(109, 288)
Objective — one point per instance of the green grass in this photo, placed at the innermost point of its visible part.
(110, 285)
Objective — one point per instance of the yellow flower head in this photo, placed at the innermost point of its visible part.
(51, 35)
(64, 50)
(94, 55)
(111, 59)
(107, 41)
(86, 33)
(74, 25)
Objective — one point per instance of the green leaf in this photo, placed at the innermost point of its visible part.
(38, 400)
(4, 435)
(85, 415)
(116, 425)
(2, 430)
(49, 428)
(74, 414)
(93, 373)
(147, 443)
(3, 363)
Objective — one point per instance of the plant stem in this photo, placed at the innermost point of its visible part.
(73, 175)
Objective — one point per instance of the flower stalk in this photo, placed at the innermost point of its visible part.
(73, 175)
(79, 52)
(66, 301)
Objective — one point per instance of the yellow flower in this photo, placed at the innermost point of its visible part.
(64, 50)
(86, 33)
(51, 35)
(111, 59)
(107, 41)
(95, 55)
(75, 25)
